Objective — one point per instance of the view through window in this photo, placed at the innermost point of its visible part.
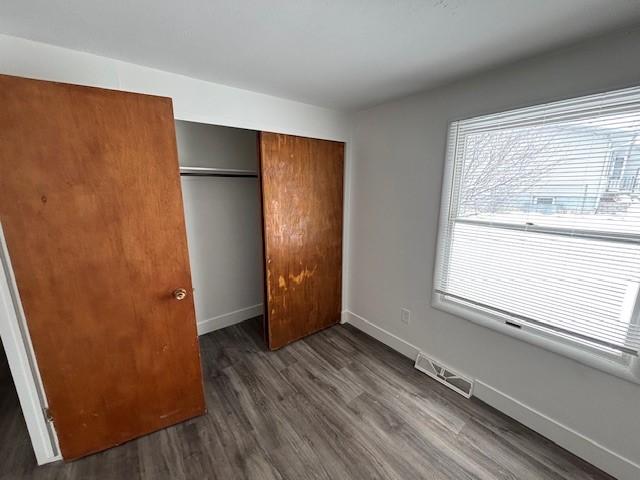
(542, 219)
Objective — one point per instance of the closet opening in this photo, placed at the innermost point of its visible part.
(263, 214)
(219, 171)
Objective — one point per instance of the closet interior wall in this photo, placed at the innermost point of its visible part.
(223, 218)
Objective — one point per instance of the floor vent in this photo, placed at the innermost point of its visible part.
(443, 374)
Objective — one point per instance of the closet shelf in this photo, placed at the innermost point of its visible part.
(216, 172)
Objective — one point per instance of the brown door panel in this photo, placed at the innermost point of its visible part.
(91, 208)
(302, 197)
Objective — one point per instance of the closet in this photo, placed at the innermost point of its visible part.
(115, 217)
(221, 194)
(228, 174)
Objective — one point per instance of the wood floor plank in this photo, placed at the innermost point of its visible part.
(409, 444)
(322, 373)
(423, 405)
(288, 451)
(336, 405)
(362, 457)
(232, 424)
(432, 432)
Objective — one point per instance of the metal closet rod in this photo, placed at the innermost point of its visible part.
(216, 172)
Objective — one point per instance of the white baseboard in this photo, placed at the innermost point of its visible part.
(226, 320)
(578, 444)
(596, 454)
(388, 338)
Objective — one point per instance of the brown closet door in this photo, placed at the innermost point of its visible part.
(302, 215)
(91, 208)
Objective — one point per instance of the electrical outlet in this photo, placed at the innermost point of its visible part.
(405, 316)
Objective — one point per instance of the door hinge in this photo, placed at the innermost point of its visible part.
(47, 415)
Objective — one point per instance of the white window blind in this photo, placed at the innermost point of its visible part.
(541, 219)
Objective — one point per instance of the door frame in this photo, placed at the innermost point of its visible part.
(22, 363)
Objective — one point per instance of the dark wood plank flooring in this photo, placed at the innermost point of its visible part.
(337, 405)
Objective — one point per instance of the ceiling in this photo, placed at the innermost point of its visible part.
(345, 54)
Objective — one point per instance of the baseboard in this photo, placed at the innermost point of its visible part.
(388, 338)
(575, 442)
(226, 320)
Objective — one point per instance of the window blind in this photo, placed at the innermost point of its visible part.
(542, 219)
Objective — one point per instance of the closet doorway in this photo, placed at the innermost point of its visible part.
(221, 196)
(264, 226)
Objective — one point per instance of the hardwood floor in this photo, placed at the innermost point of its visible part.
(336, 405)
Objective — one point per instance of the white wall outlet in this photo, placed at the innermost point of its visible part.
(405, 316)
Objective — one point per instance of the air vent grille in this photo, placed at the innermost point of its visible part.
(443, 374)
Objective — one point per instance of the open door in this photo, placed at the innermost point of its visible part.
(302, 196)
(91, 208)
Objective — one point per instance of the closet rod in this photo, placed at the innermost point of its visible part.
(216, 172)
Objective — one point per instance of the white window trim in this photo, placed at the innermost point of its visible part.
(628, 370)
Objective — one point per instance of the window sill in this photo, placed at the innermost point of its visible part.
(629, 372)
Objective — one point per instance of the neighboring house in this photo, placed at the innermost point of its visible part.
(623, 176)
(603, 177)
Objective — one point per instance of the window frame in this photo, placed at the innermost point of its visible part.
(623, 366)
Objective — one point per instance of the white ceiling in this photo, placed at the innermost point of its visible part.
(345, 54)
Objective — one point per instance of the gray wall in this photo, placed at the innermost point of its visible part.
(223, 224)
(399, 151)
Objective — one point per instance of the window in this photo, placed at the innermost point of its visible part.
(616, 168)
(540, 226)
(544, 200)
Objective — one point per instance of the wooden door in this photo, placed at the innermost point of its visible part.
(302, 182)
(91, 208)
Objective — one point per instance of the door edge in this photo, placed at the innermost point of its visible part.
(22, 364)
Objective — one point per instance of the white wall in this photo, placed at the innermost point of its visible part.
(222, 216)
(194, 100)
(398, 158)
